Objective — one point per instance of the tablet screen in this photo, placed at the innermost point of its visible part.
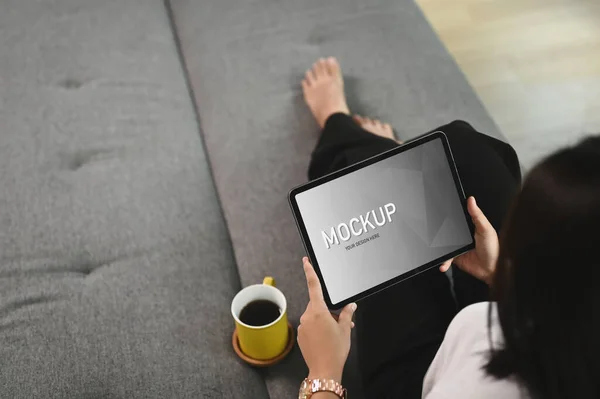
(386, 219)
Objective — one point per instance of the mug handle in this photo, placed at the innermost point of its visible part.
(269, 281)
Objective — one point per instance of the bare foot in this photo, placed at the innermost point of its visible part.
(323, 88)
(375, 126)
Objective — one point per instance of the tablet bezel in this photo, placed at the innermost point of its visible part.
(360, 165)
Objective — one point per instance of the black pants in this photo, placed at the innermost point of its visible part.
(400, 329)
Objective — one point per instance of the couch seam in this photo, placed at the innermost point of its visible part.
(188, 82)
(190, 90)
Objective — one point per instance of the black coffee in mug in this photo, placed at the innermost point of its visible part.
(259, 313)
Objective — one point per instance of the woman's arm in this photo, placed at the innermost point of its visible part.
(323, 340)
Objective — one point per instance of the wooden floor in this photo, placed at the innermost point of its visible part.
(534, 63)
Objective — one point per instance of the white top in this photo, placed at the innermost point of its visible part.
(456, 371)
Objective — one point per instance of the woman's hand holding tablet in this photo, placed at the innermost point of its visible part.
(480, 262)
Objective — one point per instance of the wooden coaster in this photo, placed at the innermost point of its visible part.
(268, 362)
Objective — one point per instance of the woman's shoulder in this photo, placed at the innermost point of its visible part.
(458, 368)
(475, 312)
(475, 321)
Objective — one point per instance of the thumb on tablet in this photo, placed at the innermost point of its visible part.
(345, 317)
(446, 265)
(482, 224)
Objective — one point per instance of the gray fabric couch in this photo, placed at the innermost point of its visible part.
(146, 149)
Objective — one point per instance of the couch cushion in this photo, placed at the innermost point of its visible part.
(246, 59)
(116, 272)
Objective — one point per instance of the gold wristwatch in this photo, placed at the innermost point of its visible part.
(310, 387)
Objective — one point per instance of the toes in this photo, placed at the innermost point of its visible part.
(315, 69)
(305, 85)
(318, 68)
(310, 77)
(375, 126)
(330, 66)
(333, 66)
(323, 67)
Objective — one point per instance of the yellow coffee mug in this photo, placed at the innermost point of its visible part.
(261, 342)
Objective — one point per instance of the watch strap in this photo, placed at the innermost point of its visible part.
(310, 387)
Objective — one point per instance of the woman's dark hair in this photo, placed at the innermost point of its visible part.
(547, 284)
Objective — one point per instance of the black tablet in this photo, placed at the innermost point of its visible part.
(383, 220)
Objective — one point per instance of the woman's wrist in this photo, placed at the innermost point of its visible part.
(324, 395)
(325, 374)
(488, 279)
